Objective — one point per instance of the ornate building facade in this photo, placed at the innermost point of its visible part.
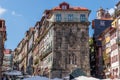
(66, 41)
(60, 42)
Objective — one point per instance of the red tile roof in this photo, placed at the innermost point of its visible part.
(7, 51)
(106, 19)
(70, 8)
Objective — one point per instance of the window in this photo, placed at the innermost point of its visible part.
(58, 17)
(82, 17)
(114, 58)
(70, 17)
(113, 47)
(102, 23)
(64, 7)
(71, 59)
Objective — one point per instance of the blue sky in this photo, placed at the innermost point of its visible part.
(20, 15)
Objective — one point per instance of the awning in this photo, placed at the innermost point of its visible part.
(13, 72)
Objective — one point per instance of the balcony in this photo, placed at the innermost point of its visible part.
(71, 20)
(85, 21)
(74, 20)
(44, 54)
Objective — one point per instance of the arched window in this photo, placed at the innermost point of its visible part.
(71, 58)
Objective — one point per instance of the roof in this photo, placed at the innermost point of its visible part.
(106, 19)
(72, 8)
(69, 7)
(100, 9)
(2, 20)
(7, 51)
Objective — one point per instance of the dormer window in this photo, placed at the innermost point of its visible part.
(64, 6)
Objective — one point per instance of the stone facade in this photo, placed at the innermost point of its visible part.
(71, 49)
(59, 43)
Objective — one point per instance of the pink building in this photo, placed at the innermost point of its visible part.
(7, 60)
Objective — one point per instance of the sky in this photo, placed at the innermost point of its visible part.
(20, 15)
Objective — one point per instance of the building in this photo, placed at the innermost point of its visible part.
(102, 22)
(110, 47)
(58, 43)
(37, 47)
(115, 44)
(65, 41)
(108, 39)
(114, 57)
(7, 60)
(2, 40)
(30, 51)
(117, 10)
(110, 50)
(21, 54)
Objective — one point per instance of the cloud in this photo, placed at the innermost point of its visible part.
(2, 10)
(111, 11)
(15, 14)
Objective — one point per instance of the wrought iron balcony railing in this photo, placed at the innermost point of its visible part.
(44, 54)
